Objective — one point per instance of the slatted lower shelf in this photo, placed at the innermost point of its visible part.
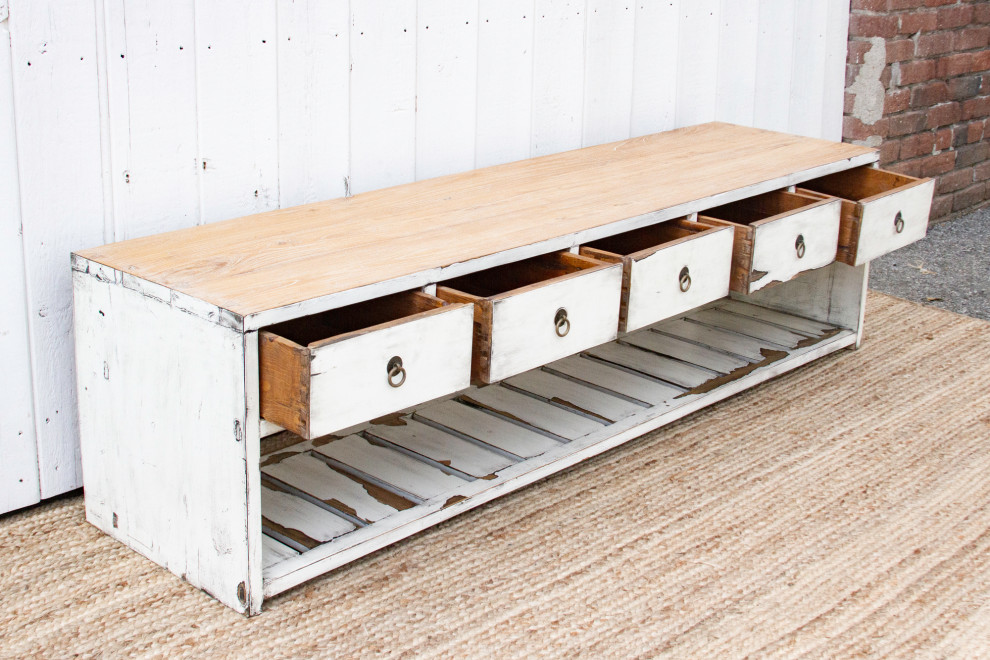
(328, 501)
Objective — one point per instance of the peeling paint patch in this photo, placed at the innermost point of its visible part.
(867, 90)
(453, 500)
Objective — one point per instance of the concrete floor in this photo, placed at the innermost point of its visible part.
(950, 268)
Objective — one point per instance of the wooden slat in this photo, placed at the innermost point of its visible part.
(748, 326)
(574, 395)
(686, 351)
(743, 346)
(270, 260)
(795, 323)
(272, 551)
(301, 521)
(672, 371)
(487, 428)
(392, 467)
(532, 411)
(316, 478)
(617, 380)
(441, 447)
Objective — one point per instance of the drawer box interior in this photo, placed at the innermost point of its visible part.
(536, 310)
(324, 372)
(881, 211)
(777, 236)
(668, 268)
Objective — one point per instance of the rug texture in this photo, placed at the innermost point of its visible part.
(842, 510)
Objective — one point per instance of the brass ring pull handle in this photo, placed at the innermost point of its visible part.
(799, 246)
(684, 279)
(396, 372)
(899, 222)
(562, 324)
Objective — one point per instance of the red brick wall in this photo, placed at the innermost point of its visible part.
(918, 87)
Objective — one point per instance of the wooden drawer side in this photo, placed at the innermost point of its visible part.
(284, 381)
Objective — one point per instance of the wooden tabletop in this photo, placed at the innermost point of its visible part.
(266, 261)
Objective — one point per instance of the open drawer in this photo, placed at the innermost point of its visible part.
(881, 211)
(667, 268)
(778, 235)
(537, 310)
(326, 372)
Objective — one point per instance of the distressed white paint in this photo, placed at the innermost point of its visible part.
(573, 395)
(658, 366)
(626, 383)
(489, 429)
(436, 445)
(350, 381)
(654, 280)
(878, 235)
(703, 356)
(296, 513)
(775, 241)
(804, 326)
(524, 334)
(165, 452)
(292, 119)
(18, 442)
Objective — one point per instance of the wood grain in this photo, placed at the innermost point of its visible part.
(270, 260)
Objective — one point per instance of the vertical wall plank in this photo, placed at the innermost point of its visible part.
(238, 125)
(697, 62)
(558, 76)
(834, 81)
(313, 100)
(737, 44)
(655, 67)
(505, 80)
(807, 90)
(774, 57)
(608, 72)
(53, 46)
(446, 86)
(150, 79)
(18, 442)
(383, 94)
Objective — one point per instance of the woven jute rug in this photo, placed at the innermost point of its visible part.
(841, 510)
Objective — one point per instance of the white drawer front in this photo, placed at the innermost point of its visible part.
(524, 334)
(878, 233)
(350, 382)
(655, 291)
(776, 255)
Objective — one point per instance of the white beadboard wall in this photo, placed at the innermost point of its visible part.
(122, 118)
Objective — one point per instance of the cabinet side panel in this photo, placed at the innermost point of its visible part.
(162, 424)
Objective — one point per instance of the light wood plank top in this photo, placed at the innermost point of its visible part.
(266, 261)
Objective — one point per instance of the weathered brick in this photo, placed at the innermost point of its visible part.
(981, 60)
(943, 138)
(869, 5)
(919, 144)
(954, 17)
(960, 135)
(886, 75)
(982, 171)
(929, 94)
(978, 107)
(918, 21)
(852, 70)
(964, 87)
(856, 50)
(937, 3)
(971, 38)
(955, 180)
(985, 85)
(889, 151)
(899, 50)
(937, 43)
(969, 197)
(981, 13)
(917, 71)
(937, 163)
(896, 101)
(955, 65)
(907, 167)
(848, 100)
(895, 5)
(941, 206)
(905, 123)
(854, 129)
(943, 115)
(975, 131)
(873, 25)
(972, 154)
